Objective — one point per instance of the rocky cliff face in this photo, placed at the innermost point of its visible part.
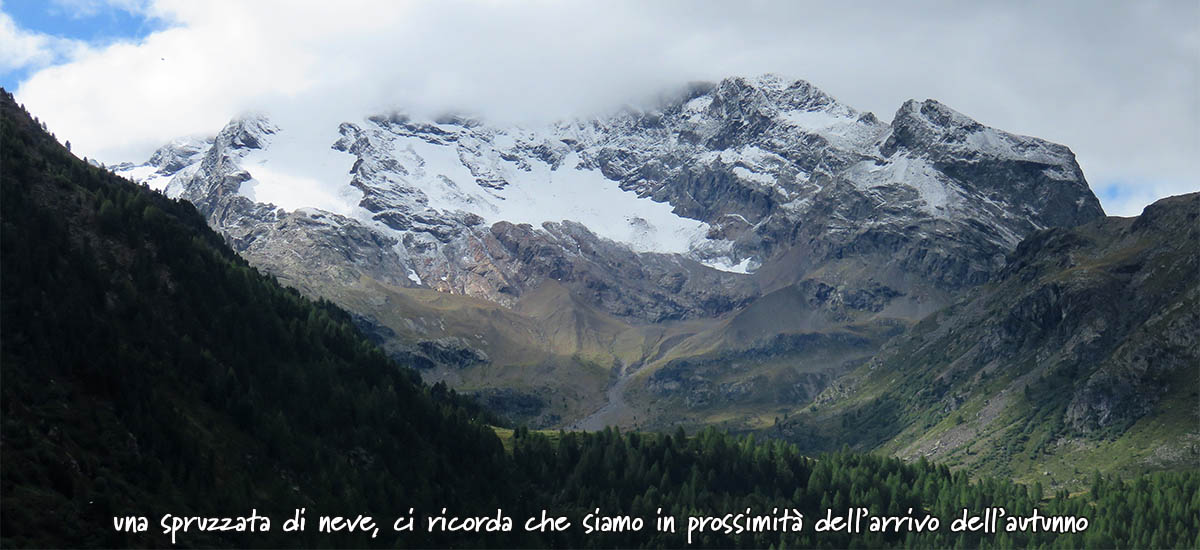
(1081, 352)
(691, 211)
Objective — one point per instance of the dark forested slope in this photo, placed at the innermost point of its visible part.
(148, 370)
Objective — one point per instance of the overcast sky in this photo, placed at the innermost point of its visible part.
(1117, 82)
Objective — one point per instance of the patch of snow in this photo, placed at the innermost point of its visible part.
(746, 174)
(1008, 146)
(441, 175)
(934, 191)
(747, 155)
(148, 175)
(322, 216)
(504, 141)
(818, 121)
(769, 81)
(587, 197)
(797, 204)
(457, 175)
(155, 179)
(174, 188)
(744, 267)
(698, 104)
(838, 124)
(297, 168)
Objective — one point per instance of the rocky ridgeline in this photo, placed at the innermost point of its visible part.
(933, 199)
(1083, 349)
(707, 207)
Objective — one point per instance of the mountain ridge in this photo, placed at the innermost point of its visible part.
(148, 368)
(685, 215)
(1081, 353)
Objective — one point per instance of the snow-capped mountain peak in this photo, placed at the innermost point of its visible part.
(729, 175)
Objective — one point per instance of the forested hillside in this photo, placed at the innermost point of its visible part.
(148, 370)
(714, 474)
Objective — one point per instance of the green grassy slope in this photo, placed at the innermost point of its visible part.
(1084, 355)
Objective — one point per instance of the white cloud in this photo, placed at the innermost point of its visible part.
(88, 8)
(20, 49)
(1116, 82)
(1123, 199)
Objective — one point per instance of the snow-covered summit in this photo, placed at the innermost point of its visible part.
(730, 175)
(167, 161)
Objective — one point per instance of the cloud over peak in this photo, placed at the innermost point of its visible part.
(1115, 84)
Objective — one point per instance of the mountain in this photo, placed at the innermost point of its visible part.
(749, 218)
(1081, 354)
(149, 371)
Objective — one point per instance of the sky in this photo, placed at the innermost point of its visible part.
(1115, 81)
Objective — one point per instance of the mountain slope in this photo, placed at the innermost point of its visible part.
(732, 174)
(148, 370)
(682, 222)
(1082, 354)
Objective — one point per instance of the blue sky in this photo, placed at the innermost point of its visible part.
(1117, 82)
